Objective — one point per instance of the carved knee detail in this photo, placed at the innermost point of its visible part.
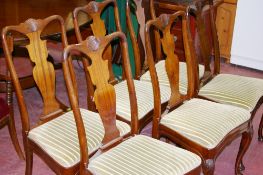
(208, 166)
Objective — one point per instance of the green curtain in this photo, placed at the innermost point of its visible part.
(108, 16)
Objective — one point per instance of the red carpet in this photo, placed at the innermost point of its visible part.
(11, 165)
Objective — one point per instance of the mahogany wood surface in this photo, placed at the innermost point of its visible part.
(14, 12)
(164, 23)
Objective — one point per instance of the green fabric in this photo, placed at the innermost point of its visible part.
(108, 16)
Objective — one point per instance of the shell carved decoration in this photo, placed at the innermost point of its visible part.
(32, 24)
(93, 7)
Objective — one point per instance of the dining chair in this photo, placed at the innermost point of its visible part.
(136, 154)
(54, 138)
(236, 90)
(198, 125)
(138, 43)
(144, 93)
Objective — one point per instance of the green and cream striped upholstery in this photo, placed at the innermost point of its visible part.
(144, 155)
(204, 122)
(163, 78)
(144, 95)
(60, 140)
(235, 90)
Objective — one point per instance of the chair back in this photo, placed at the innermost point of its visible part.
(43, 70)
(205, 38)
(104, 94)
(208, 48)
(94, 11)
(164, 23)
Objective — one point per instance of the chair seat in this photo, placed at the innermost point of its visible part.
(60, 140)
(144, 155)
(163, 78)
(235, 90)
(144, 95)
(4, 109)
(22, 64)
(204, 122)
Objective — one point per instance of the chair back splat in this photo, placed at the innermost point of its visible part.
(164, 24)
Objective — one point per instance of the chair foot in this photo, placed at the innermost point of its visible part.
(13, 135)
(260, 138)
(208, 167)
(244, 145)
(241, 166)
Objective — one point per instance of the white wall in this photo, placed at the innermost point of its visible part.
(247, 45)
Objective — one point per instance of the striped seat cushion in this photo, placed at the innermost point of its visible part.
(235, 90)
(60, 140)
(204, 122)
(163, 78)
(144, 95)
(144, 155)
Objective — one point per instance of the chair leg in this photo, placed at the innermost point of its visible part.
(245, 142)
(260, 130)
(11, 122)
(208, 167)
(13, 135)
(29, 161)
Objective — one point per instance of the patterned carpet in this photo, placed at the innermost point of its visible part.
(11, 165)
